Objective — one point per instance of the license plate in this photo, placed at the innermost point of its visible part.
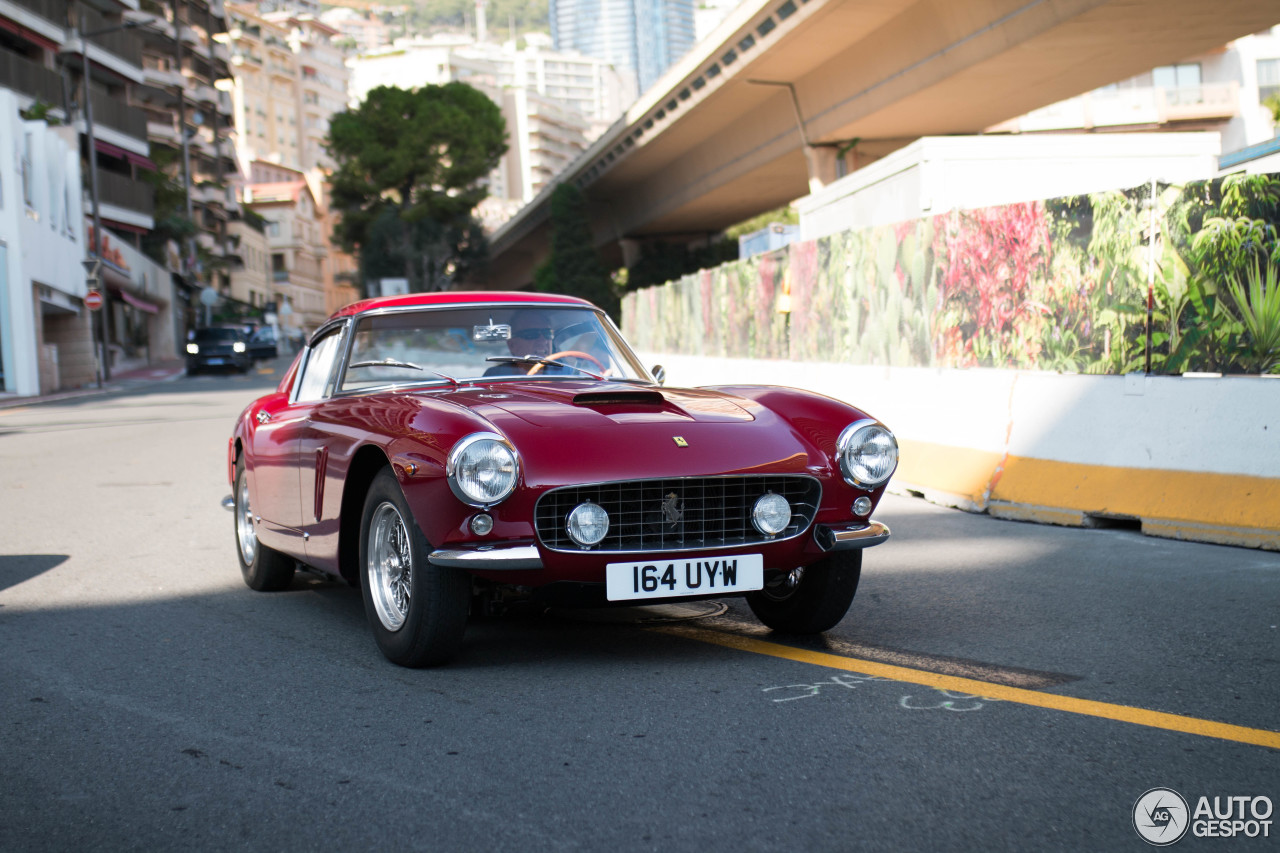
(667, 578)
(215, 361)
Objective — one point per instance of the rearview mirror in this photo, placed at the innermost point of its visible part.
(659, 374)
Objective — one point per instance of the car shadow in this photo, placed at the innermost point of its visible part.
(19, 568)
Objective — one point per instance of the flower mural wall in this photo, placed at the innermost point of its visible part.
(1057, 285)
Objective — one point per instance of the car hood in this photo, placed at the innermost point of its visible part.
(575, 405)
(569, 431)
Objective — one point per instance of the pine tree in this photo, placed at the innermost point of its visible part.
(574, 267)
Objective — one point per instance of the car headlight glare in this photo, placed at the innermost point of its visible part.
(771, 514)
(194, 349)
(482, 469)
(868, 453)
(238, 346)
(587, 524)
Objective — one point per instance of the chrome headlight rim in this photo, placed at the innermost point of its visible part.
(576, 526)
(848, 443)
(457, 457)
(761, 519)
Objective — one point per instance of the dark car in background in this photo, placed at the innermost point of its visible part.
(218, 347)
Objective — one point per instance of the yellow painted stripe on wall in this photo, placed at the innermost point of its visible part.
(1232, 500)
(1199, 498)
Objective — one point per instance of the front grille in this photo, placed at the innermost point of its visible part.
(677, 514)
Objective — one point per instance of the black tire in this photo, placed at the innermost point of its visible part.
(818, 602)
(263, 568)
(419, 620)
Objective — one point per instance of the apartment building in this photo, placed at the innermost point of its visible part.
(363, 32)
(296, 243)
(288, 80)
(1224, 90)
(88, 87)
(554, 104)
(641, 38)
(189, 127)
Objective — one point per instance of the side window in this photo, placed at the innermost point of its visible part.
(314, 384)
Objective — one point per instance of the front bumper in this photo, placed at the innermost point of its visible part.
(848, 537)
(506, 557)
(526, 557)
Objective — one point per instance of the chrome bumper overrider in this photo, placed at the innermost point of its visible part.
(515, 557)
(848, 538)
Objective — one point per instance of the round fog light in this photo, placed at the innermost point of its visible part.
(482, 524)
(862, 506)
(771, 514)
(588, 523)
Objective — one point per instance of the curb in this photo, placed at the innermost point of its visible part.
(132, 379)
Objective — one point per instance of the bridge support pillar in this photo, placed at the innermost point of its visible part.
(821, 160)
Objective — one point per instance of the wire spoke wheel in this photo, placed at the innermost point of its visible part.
(390, 566)
(245, 533)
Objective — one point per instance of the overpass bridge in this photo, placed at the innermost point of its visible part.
(762, 111)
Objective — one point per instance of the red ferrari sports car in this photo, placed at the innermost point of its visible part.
(449, 451)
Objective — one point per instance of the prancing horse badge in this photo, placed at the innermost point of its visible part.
(679, 440)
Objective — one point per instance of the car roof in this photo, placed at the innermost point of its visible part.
(459, 297)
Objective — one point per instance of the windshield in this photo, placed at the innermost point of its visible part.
(491, 343)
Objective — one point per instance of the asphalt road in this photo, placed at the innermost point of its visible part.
(149, 700)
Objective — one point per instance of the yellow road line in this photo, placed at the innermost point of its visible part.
(1072, 705)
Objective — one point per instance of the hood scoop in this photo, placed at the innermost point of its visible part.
(619, 397)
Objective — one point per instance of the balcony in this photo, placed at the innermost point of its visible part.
(53, 11)
(118, 115)
(163, 132)
(122, 191)
(122, 43)
(162, 78)
(1133, 107)
(30, 78)
(1198, 103)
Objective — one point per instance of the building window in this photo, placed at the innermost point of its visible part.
(1268, 79)
(1183, 76)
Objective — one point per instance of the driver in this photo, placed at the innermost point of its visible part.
(532, 334)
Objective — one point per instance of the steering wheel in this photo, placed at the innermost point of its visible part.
(573, 353)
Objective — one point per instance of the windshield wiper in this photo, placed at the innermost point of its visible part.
(533, 359)
(391, 362)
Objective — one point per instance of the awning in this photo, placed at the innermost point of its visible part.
(139, 160)
(136, 302)
(109, 149)
(123, 154)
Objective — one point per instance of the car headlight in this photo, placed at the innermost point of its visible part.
(194, 349)
(482, 469)
(238, 346)
(868, 453)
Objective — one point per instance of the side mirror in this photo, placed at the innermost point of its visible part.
(659, 373)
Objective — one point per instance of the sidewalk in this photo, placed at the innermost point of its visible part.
(160, 372)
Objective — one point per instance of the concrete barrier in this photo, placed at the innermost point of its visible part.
(1194, 458)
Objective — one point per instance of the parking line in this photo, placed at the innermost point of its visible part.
(1052, 701)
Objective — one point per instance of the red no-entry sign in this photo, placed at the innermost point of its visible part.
(93, 300)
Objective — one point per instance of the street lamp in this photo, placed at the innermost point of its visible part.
(95, 244)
